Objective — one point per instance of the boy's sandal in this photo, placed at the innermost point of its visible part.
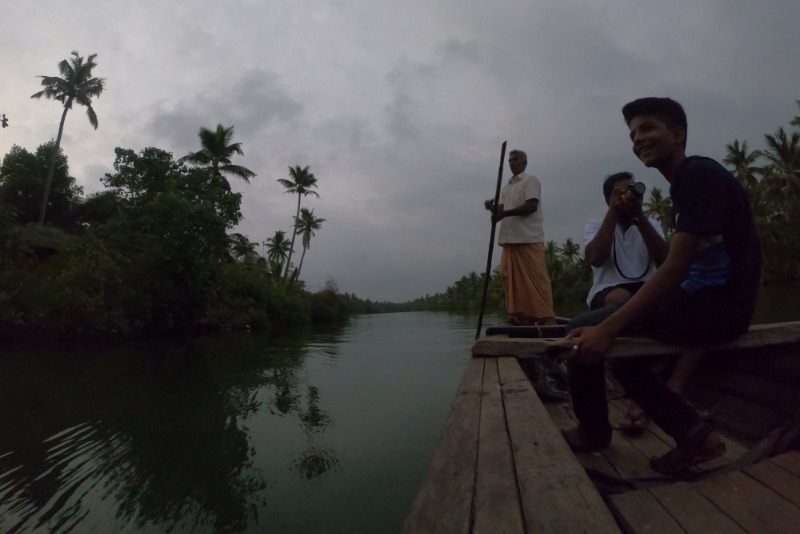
(680, 459)
(633, 422)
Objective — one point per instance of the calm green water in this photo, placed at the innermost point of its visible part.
(313, 432)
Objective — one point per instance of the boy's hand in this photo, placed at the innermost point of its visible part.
(592, 343)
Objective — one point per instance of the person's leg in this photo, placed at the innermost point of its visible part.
(684, 367)
(618, 295)
(588, 388)
(504, 270)
(681, 319)
(666, 407)
(529, 283)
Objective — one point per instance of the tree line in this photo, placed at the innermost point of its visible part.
(155, 250)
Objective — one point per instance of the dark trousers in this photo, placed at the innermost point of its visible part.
(691, 321)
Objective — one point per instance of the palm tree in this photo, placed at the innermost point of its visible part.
(784, 154)
(570, 251)
(277, 249)
(75, 84)
(216, 152)
(743, 163)
(301, 183)
(659, 207)
(796, 119)
(243, 249)
(306, 224)
(552, 258)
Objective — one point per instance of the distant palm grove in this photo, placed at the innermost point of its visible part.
(156, 252)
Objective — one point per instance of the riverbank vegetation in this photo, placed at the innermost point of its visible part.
(156, 251)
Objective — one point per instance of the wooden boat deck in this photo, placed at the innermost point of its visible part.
(502, 466)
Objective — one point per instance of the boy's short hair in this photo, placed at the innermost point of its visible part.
(665, 109)
(612, 179)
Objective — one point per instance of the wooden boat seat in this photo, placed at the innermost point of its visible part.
(764, 335)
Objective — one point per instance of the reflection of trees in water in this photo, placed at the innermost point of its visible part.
(314, 461)
(167, 442)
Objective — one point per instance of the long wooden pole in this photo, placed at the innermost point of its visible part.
(491, 240)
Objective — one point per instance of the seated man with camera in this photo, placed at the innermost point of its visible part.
(625, 247)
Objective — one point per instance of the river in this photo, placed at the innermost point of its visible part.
(329, 431)
(307, 432)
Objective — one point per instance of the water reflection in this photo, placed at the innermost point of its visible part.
(163, 435)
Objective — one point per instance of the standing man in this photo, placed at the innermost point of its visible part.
(529, 297)
(705, 292)
(624, 247)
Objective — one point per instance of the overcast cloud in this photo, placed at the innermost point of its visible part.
(400, 108)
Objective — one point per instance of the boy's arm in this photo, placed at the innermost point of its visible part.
(594, 342)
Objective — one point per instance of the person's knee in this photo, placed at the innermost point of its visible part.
(617, 296)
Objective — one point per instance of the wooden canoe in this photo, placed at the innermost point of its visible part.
(502, 466)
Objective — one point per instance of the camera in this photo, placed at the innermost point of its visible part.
(637, 189)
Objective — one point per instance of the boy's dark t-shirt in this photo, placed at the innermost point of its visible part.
(708, 200)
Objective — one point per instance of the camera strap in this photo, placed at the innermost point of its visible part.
(623, 275)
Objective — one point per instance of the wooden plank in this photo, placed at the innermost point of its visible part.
(779, 480)
(693, 511)
(557, 495)
(789, 461)
(753, 506)
(758, 336)
(639, 511)
(444, 502)
(497, 507)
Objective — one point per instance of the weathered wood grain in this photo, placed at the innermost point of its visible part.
(781, 481)
(639, 511)
(693, 511)
(752, 505)
(556, 493)
(444, 502)
(497, 506)
(789, 461)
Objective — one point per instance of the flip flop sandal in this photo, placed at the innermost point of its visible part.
(680, 459)
(633, 423)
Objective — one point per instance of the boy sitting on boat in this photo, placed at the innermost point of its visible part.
(705, 292)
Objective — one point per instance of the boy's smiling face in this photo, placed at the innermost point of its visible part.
(654, 143)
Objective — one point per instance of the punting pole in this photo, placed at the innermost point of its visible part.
(491, 240)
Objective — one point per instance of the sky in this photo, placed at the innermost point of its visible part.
(400, 109)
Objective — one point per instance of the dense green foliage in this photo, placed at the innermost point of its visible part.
(772, 177)
(151, 253)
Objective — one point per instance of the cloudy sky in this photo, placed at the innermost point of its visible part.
(400, 108)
